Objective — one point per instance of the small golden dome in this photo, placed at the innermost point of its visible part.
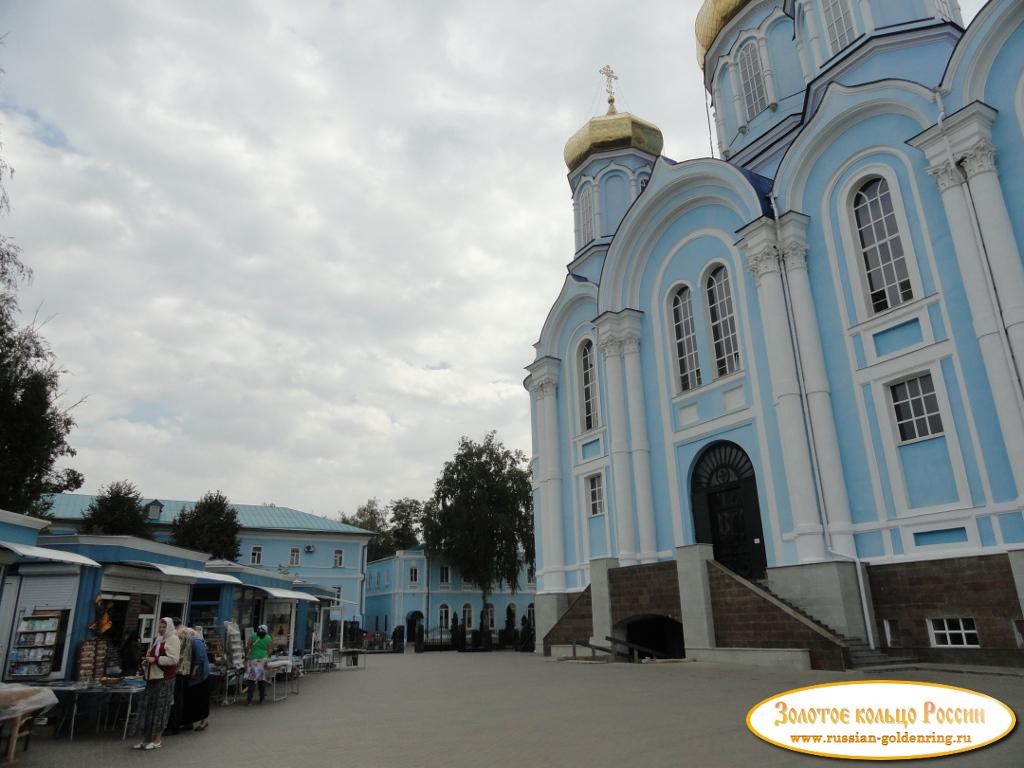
(613, 131)
(711, 19)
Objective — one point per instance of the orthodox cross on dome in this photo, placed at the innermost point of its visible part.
(610, 77)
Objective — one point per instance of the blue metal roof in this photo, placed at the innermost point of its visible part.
(72, 506)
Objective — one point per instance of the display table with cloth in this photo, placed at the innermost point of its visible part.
(18, 705)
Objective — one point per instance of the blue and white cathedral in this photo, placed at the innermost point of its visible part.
(777, 407)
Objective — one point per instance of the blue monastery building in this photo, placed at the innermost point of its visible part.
(410, 589)
(777, 407)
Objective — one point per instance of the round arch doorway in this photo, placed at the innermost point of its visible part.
(723, 494)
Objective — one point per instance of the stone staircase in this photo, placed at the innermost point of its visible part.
(862, 656)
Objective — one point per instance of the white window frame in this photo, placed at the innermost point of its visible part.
(444, 576)
(587, 390)
(531, 575)
(444, 618)
(888, 240)
(730, 323)
(293, 556)
(256, 554)
(840, 25)
(585, 213)
(851, 241)
(683, 334)
(921, 398)
(753, 88)
(949, 630)
(489, 615)
(467, 616)
(593, 487)
(414, 575)
(339, 558)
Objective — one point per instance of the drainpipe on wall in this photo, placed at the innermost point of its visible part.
(819, 492)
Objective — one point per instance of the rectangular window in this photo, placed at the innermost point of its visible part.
(595, 491)
(892, 633)
(256, 555)
(917, 408)
(414, 575)
(467, 584)
(339, 558)
(377, 579)
(531, 575)
(954, 633)
(446, 575)
(293, 556)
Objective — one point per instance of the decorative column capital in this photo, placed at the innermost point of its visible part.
(794, 255)
(980, 158)
(544, 386)
(610, 346)
(631, 344)
(762, 262)
(946, 175)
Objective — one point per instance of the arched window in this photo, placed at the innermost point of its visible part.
(838, 24)
(510, 614)
(489, 615)
(752, 79)
(686, 340)
(529, 614)
(467, 616)
(586, 212)
(443, 616)
(888, 282)
(588, 387)
(723, 323)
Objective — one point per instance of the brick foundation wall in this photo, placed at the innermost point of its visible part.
(745, 619)
(981, 588)
(644, 590)
(576, 623)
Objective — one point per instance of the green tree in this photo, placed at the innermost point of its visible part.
(481, 516)
(116, 511)
(372, 517)
(406, 516)
(210, 526)
(33, 425)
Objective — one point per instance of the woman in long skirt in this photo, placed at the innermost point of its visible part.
(196, 711)
(161, 667)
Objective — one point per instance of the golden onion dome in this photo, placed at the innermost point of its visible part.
(711, 19)
(616, 130)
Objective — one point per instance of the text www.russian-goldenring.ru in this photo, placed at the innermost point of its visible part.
(884, 739)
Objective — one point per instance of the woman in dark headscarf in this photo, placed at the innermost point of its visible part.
(161, 663)
(197, 693)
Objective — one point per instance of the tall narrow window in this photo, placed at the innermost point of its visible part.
(445, 576)
(723, 323)
(293, 556)
(586, 215)
(256, 555)
(339, 558)
(443, 619)
(881, 247)
(838, 23)
(686, 340)
(917, 408)
(588, 387)
(595, 492)
(414, 575)
(752, 78)
(467, 616)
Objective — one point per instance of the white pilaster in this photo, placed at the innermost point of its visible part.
(611, 348)
(640, 450)
(793, 231)
(543, 386)
(763, 261)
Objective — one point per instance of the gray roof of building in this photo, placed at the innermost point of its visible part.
(72, 506)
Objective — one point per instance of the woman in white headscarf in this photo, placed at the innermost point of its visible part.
(161, 664)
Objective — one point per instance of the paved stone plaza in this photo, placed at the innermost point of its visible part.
(453, 710)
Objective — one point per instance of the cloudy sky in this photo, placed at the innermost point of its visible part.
(295, 250)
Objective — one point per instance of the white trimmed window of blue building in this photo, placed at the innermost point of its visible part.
(883, 257)
(489, 615)
(531, 575)
(293, 556)
(585, 214)
(339, 558)
(587, 373)
(414, 575)
(467, 616)
(685, 334)
(445, 576)
(443, 616)
(916, 408)
(755, 97)
(838, 24)
(721, 314)
(595, 494)
(256, 555)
